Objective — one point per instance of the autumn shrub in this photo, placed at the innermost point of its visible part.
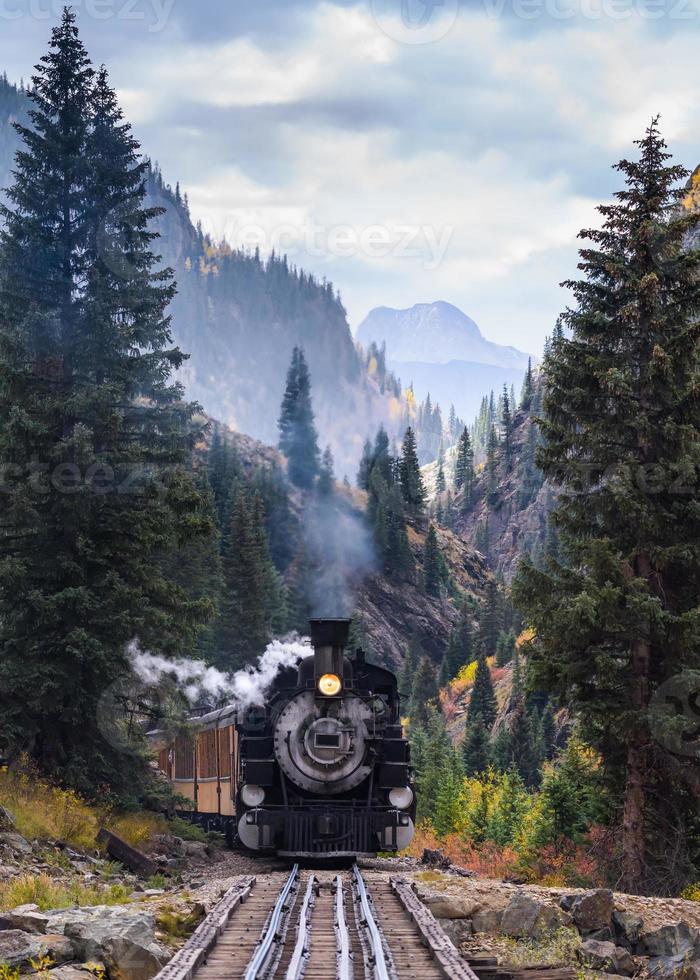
(45, 811)
(692, 892)
(137, 828)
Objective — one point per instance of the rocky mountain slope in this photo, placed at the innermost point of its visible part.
(391, 611)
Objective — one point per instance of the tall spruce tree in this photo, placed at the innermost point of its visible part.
(298, 439)
(326, 477)
(252, 600)
(490, 620)
(459, 650)
(507, 427)
(91, 427)
(432, 563)
(621, 423)
(412, 487)
(482, 703)
(476, 756)
(464, 469)
(424, 693)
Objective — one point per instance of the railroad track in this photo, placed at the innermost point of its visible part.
(318, 925)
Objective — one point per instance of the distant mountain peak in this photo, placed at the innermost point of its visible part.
(435, 333)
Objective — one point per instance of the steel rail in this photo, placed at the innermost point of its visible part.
(378, 961)
(297, 964)
(271, 935)
(342, 936)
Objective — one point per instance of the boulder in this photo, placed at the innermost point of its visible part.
(196, 849)
(594, 910)
(122, 937)
(487, 920)
(627, 926)
(567, 901)
(607, 957)
(15, 843)
(456, 930)
(525, 916)
(18, 949)
(605, 935)
(127, 960)
(28, 918)
(679, 967)
(674, 940)
(70, 972)
(449, 906)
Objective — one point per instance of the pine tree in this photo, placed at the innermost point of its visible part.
(459, 650)
(528, 388)
(464, 469)
(507, 428)
(512, 804)
(326, 478)
(298, 440)
(549, 731)
(522, 747)
(91, 426)
(432, 564)
(476, 755)
(365, 468)
(482, 703)
(440, 481)
(491, 465)
(504, 648)
(252, 601)
(407, 674)
(423, 693)
(621, 416)
(412, 487)
(502, 750)
(490, 621)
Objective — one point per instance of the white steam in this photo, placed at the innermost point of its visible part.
(244, 687)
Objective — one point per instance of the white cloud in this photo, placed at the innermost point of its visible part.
(502, 131)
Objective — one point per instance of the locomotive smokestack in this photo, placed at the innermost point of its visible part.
(329, 638)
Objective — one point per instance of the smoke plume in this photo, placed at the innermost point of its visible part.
(339, 543)
(196, 680)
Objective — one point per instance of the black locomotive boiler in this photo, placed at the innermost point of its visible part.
(324, 766)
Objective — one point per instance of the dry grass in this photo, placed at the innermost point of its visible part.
(138, 828)
(559, 948)
(48, 893)
(47, 812)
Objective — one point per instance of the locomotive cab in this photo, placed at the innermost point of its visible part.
(324, 767)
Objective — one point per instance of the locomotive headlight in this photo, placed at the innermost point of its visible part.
(401, 798)
(329, 685)
(252, 795)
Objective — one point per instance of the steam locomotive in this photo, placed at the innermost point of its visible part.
(322, 770)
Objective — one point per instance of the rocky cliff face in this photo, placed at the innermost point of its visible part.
(391, 611)
(394, 612)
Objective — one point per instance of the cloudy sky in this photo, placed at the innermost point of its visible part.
(409, 150)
